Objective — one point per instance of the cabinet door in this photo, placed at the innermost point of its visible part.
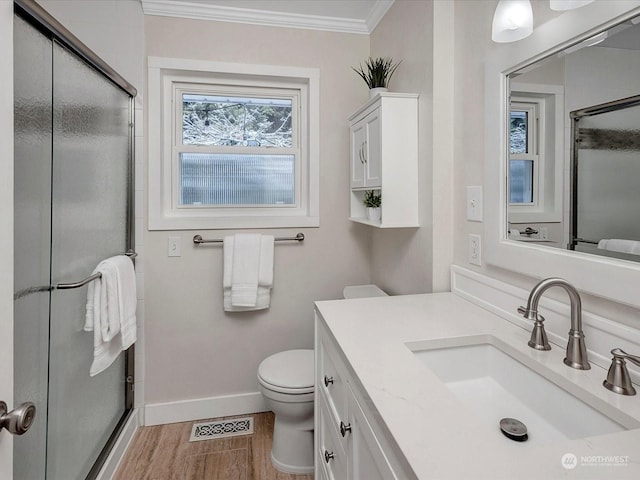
(358, 143)
(373, 150)
(368, 460)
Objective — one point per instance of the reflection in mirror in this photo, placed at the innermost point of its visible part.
(574, 147)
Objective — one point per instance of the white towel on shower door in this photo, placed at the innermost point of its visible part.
(620, 245)
(111, 311)
(249, 273)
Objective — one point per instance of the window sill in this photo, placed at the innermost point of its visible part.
(230, 223)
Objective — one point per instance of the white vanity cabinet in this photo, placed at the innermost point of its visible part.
(384, 157)
(348, 444)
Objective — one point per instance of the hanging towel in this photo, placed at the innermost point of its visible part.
(248, 272)
(620, 245)
(111, 311)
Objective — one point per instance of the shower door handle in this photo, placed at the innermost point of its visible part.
(18, 420)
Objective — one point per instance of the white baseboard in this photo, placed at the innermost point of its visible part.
(203, 408)
(503, 299)
(119, 449)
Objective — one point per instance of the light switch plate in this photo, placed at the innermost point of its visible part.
(474, 204)
(173, 247)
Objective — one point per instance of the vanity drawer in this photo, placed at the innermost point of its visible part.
(331, 456)
(331, 379)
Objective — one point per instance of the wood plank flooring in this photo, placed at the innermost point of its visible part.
(163, 452)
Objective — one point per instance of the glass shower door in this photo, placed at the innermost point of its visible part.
(91, 147)
(32, 243)
(72, 182)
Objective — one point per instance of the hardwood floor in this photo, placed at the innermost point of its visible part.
(164, 452)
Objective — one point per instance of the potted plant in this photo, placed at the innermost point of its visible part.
(377, 73)
(373, 200)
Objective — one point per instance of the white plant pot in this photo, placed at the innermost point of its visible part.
(374, 91)
(373, 214)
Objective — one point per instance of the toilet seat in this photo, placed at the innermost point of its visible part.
(291, 371)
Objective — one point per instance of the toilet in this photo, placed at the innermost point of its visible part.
(286, 381)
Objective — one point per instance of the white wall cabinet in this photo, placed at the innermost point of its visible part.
(384, 157)
(348, 444)
(366, 151)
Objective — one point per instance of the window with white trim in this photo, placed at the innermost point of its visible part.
(524, 143)
(232, 146)
(536, 153)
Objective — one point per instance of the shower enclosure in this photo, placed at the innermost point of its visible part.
(73, 208)
(605, 169)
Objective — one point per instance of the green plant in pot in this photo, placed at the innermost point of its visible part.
(372, 200)
(377, 73)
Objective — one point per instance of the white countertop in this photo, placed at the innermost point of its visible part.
(437, 433)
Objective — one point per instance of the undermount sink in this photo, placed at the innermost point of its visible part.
(495, 385)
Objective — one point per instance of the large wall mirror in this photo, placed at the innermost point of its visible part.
(573, 162)
(541, 218)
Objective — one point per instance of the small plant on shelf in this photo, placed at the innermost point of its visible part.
(372, 198)
(377, 72)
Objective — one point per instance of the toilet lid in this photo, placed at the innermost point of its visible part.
(291, 369)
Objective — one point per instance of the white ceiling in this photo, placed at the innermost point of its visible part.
(351, 16)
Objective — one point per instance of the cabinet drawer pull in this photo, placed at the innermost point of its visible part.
(344, 428)
(364, 151)
(327, 381)
(361, 154)
(328, 456)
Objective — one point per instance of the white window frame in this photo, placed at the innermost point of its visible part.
(535, 146)
(166, 78)
(549, 145)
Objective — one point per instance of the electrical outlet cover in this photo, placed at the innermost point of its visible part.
(475, 249)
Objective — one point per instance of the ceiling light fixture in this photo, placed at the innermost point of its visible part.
(589, 42)
(512, 21)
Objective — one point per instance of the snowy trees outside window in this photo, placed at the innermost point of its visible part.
(522, 155)
(231, 121)
(237, 150)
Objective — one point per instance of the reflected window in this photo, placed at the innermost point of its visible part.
(521, 181)
(519, 131)
(523, 158)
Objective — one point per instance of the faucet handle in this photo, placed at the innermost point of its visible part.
(618, 379)
(526, 312)
(529, 314)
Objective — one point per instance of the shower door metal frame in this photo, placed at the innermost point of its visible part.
(575, 116)
(33, 13)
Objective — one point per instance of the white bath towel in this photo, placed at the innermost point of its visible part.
(620, 245)
(248, 276)
(111, 311)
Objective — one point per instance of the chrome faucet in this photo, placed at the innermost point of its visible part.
(576, 350)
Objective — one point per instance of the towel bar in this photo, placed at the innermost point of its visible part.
(64, 286)
(197, 239)
(582, 240)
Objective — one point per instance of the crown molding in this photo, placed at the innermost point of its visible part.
(380, 8)
(203, 11)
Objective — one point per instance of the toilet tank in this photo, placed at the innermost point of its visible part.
(362, 291)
